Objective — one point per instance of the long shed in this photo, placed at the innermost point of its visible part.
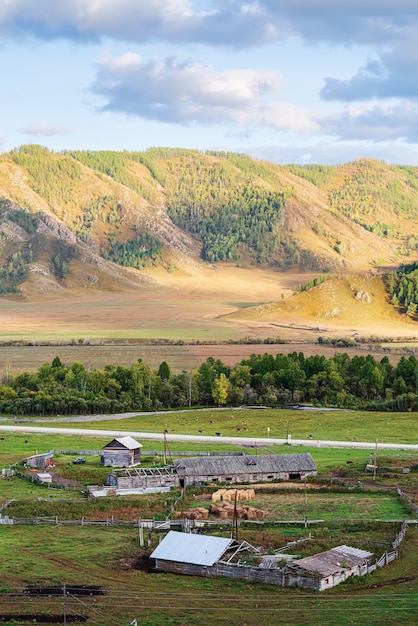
(246, 468)
(121, 452)
(40, 461)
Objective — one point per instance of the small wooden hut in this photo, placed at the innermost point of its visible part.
(121, 452)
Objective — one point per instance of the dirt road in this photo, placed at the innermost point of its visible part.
(243, 441)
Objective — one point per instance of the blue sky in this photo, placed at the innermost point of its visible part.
(290, 81)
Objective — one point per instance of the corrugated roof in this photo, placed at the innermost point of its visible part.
(191, 548)
(334, 560)
(254, 464)
(127, 442)
(43, 455)
(348, 551)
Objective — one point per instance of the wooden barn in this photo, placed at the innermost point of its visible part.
(246, 468)
(40, 461)
(121, 452)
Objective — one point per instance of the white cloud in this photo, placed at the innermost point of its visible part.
(188, 92)
(43, 130)
(230, 23)
(330, 152)
(375, 122)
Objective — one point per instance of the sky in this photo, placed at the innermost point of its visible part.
(288, 81)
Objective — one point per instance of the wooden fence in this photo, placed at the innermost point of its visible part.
(413, 506)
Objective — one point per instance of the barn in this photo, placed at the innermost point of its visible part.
(40, 461)
(121, 452)
(246, 468)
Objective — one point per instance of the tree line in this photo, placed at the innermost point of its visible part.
(340, 381)
(403, 288)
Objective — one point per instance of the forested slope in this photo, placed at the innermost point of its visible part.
(84, 219)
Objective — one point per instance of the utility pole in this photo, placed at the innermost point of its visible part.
(235, 519)
(165, 449)
(141, 533)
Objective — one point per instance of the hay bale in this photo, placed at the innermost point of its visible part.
(199, 513)
(218, 496)
(229, 495)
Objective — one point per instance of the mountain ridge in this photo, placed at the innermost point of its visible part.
(94, 220)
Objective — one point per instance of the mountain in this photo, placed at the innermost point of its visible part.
(92, 220)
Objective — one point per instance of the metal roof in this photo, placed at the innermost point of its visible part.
(191, 548)
(246, 464)
(334, 560)
(43, 455)
(127, 442)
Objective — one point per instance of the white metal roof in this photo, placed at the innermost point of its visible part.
(128, 442)
(350, 551)
(191, 548)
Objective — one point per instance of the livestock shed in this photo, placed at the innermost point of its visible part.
(331, 567)
(201, 555)
(44, 477)
(40, 461)
(121, 452)
(246, 468)
(138, 479)
(179, 552)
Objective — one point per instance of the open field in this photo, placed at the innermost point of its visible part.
(197, 305)
(340, 425)
(336, 425)
(110, 557)
(18, 358)
(282, 505)
(76, 556)
(175, 306)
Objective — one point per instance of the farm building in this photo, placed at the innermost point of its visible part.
(40, 461)
(44, 477)
(179, 552)
(246, 468)
(136, 480)
(121, 452)
(333, 566)
(200, 555)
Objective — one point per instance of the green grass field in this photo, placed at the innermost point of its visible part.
(110, 556)
(82, 556)
(321, 424)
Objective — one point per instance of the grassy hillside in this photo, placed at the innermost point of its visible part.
(91, 220)
(357, 302)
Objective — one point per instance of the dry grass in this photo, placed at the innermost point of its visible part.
(343, 304)
(179, 357)
(210, 303)
(173, 305)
